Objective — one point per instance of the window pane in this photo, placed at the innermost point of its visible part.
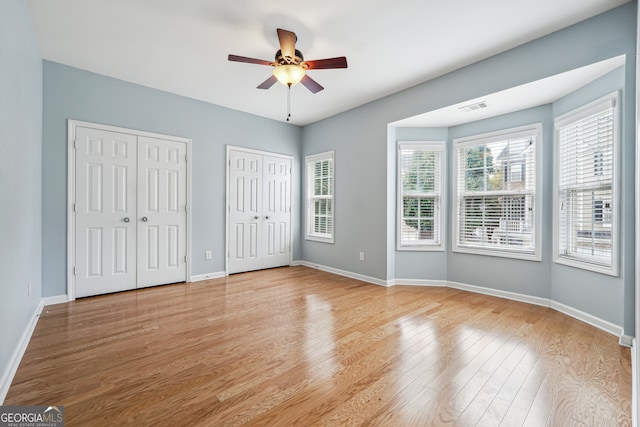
(585, 187)
(420, 186)
(426, 208)
(587, 231)
(496, 193)
(418, 222)
(320, 197)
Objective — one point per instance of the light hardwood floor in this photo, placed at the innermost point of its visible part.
(296, 346)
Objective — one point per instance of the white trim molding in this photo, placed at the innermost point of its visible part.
(56, 299)
(16, 357)
(207, 276)
(588, 318)
(626, 340)
(514, 296)
(634, 382)
(418, 282)
(345, 273)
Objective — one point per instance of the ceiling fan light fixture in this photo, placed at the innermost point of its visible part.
(289, 74)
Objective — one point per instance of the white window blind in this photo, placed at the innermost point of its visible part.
(420, 191)
(320, 197)
(496, 193)
(586, 205)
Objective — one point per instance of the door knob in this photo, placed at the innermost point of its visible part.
(256, 217)
(145, 219)
(266, 217)
(126, 219)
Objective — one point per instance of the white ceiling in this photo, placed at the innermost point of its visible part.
(182, 46)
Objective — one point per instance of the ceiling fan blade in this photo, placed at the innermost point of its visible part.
(311, 84)
(268, 83)
(324, 64)
(287, 43)
(236, 58)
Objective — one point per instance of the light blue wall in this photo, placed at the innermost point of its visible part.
(525, 277)
(20, 176)
(359, 139)
(70, 93)
(415, 264)
(365, 205)
(599, 294)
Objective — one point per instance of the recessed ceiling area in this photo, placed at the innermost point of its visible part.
(182, 46)
(529, 95)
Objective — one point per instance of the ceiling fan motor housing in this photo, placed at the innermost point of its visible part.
(285, 60)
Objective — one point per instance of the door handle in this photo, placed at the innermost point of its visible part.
(145, 219)
(126, 219)
(266, 217)
(256, 217)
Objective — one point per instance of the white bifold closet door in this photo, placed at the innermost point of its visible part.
(162, 220)
(259, 196)
(130, 211)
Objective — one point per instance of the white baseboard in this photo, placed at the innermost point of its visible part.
(588, 318)
(297, 263)
(626, 340)
(544, 302)
(345, 273)
(200, 277)
(57, 299)
(16, 357)
(635, 399)
(417, 282)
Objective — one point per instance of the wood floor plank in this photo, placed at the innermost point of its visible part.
(297, 346)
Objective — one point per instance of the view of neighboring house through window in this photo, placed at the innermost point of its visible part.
(586, 188)
(319, 173)
(496, 193)
(420, 189)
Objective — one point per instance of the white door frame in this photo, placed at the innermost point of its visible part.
(71, 185)
(635, 351)
(228, 207)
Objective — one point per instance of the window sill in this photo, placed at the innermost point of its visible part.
(319, 239)
(585, 265)
(420, 248)
(526, 256)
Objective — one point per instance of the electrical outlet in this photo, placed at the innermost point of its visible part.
(29, 288)
(207, 255)
(361, 256)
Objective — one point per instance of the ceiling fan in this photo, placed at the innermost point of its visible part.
(290, 66)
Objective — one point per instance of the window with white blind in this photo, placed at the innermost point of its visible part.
(319, 186)
(586, 198)
(420, 192)
(497, 192)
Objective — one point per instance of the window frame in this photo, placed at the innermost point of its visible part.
(611, 216)
(310, 162)
(440, 195)
(486, 138)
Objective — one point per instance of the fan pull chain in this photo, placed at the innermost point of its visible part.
(288, 101)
